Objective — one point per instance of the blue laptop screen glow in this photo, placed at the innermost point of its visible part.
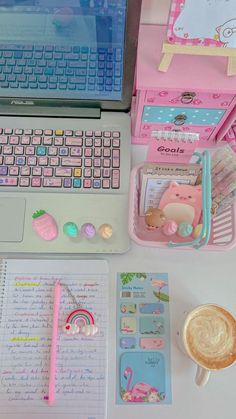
(70, 49)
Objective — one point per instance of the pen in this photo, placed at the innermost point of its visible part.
(53, 358)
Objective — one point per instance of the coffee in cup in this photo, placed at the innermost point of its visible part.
(210, 337)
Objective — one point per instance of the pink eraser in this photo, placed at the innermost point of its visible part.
(44, 225)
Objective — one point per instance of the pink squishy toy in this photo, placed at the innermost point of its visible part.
(44, 225)
(182, 203)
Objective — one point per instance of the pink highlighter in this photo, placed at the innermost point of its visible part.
(53, 359)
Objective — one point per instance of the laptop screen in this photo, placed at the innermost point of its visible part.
(64, 49)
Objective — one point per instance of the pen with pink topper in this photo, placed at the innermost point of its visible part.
(53, 356)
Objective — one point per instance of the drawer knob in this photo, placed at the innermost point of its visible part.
(187, 97)
(180, 119)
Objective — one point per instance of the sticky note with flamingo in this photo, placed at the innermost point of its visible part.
(142, 377)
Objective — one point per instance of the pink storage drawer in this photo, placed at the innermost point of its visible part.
(188, 98)
(223, 230)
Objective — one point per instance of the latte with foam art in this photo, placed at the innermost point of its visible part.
(210, 337)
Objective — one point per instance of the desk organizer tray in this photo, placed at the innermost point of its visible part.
(221, 235)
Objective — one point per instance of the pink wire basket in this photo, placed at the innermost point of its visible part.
(222, 236)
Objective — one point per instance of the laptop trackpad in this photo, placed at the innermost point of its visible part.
(12, 214)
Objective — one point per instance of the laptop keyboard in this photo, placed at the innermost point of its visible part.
(64, 68)
(59, 159)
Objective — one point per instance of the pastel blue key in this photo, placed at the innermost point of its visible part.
(18, 54)
(52, 85)
(77, 183)
(97, 183)
(48, 71)
(20, 161)
(41, 151)
(92, 72)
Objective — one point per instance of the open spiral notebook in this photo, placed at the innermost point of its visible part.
(26, 314)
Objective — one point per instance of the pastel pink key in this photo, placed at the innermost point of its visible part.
(14, 140)
(106, 183)
(115, 179)
(3, 139)
(61, 171)
(52, 182)
(74, 141)
(24, 181)
(37, 171)
(14, 171)
(87, 183)
(47, 171)
(25, 171)
(71, 161)
(36, 182)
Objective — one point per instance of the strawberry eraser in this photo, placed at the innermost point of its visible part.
(44, 225)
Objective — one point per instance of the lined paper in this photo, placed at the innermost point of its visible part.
(26, 313)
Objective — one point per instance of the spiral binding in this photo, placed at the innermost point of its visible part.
(176, 136)
(3, 274)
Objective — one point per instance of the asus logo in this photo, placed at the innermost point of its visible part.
(22, 102)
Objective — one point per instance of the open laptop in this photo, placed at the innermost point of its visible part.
(66, 77)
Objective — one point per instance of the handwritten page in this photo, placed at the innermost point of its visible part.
(26, 312)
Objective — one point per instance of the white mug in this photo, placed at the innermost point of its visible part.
(208, 327)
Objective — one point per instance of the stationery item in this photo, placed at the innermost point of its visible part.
(28, 292)
(44, 225)
(143, 338)
(52, 372)
(223, 179)
(230, 137)
(207, 334)
(149, 367)
(220, 159)
(172, 146)
(156, 177)
(217, 209)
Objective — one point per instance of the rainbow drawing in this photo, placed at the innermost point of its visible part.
(80, 321)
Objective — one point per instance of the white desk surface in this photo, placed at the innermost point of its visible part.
(195, 277)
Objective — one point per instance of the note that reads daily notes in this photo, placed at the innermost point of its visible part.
(26, 316)
(156, 177)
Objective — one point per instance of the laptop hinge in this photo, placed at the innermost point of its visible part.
(52, 111)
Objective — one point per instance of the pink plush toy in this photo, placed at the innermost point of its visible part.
(182, 203)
